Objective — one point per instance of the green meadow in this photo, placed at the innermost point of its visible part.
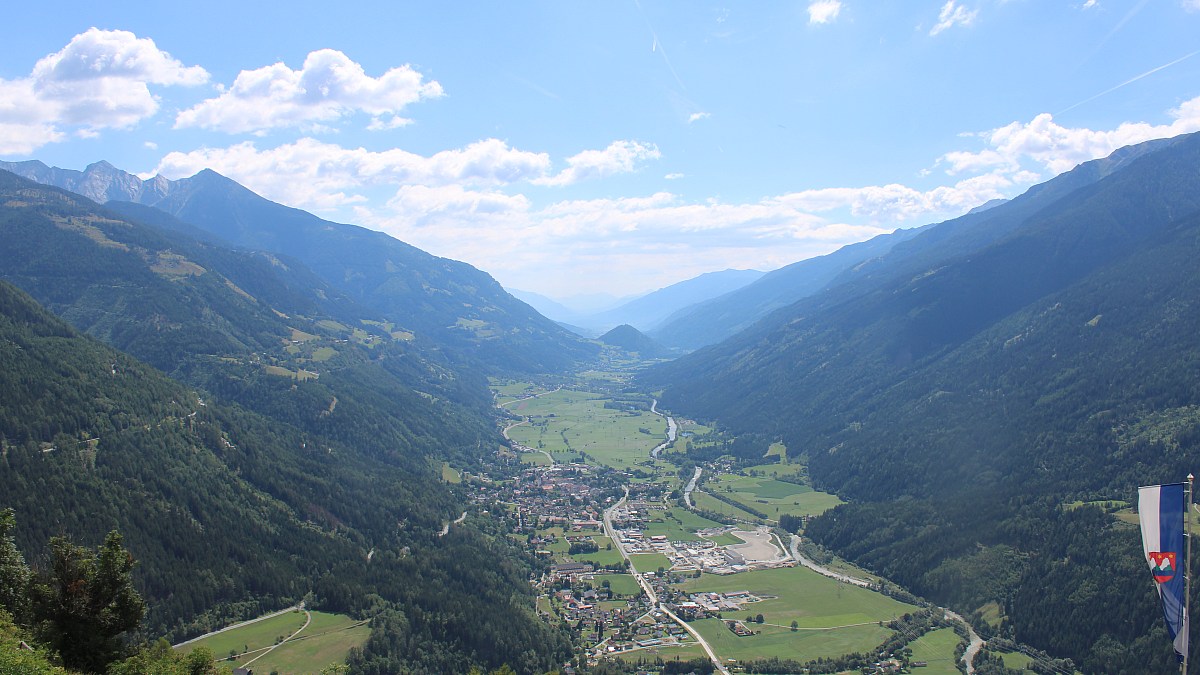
(577, 421)
(681, 652)
(771, 496)
(707, 502)
(832, 618)
(620, 584)
(678, 524)
(782, 642)
(324, 642)
(801, 595)
(649, 562)
(937, 649)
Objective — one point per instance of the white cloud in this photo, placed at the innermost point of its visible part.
(100, 80)
(697, 116)
(313, 174)
(618, 157)
(567, 243)
(1191, 5)
(1052, 148)
(470, 203)
(953, 14)
(673, 176)
(1092, 3)
(823, 11)
(329, 86)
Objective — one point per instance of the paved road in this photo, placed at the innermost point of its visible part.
(822, 570)
(649, 590)
(457, 521)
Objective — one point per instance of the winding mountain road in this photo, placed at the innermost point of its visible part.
(822, 570)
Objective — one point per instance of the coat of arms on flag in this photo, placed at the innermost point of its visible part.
(1162, 565)
(1162, 510)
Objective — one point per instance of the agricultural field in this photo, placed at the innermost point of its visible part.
(678, 524)
(576, 421)
(832, 618)
(937, 649)
(508, 391)
(536, 459)
(801, 595)
(683, 652)
(649, 562)
(325, 641)
(793, 470)
(771, 496)
(783, 642)
(620, 584)
(707, 502)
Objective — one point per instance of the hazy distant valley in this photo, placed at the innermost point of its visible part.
(919, 445)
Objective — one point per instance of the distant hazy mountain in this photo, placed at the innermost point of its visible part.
(448, 301)
(991, 203)
(964, 387)
(634, 341)
(720, 317)
(651, 309)
(545, 306)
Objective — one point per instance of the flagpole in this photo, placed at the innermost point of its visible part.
(1187, 573)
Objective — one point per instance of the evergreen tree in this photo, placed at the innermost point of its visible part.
(14, 573)
(85, 601)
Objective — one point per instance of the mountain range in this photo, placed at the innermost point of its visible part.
(986, 392)
(644, 312)
(296, 454)
(966, 386)
(453, 304)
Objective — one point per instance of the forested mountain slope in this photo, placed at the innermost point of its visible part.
(987, 377)
(243, 325)
(446, 301)
(267, 483)
(866, 264)
(631, 339)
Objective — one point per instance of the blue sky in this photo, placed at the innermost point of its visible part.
(620, 146)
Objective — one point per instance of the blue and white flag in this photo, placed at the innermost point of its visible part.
(1161, 510)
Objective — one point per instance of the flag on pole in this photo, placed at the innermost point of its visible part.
(1161, 510)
